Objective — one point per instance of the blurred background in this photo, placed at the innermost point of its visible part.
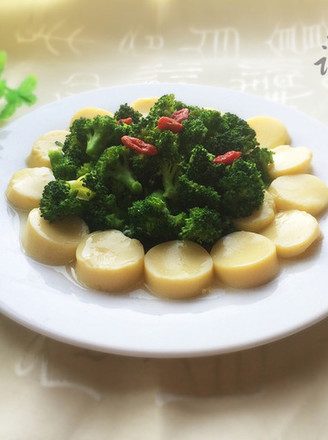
(261, 47)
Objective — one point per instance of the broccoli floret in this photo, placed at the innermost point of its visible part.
(194, 133)
(126, 111)
(170, 162)
(151, 221)
(86, 168)
(113, 168)
(75, 142)
(241, 189)
(63, 167)
(165, 106)
(227, 132)
(193, 194)
(88, 138)
(62, 199)
(205, 226)
(202, 169)
(262, 158)
(102, 213)
(217, 132)
(162, 170)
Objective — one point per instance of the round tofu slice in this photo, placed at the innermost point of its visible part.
(143, 105)
(245, 259)
(25, 188)
(305, 192)
(38, 156)
(270, 132)
(178, 269)
(90, 113)
(292, 232)
(109, 261)
(260, 218)
(290, 160)
(52, 243)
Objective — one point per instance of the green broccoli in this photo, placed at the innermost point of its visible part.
(241, 189)
(88, 138)
(102, 212)
(261, 157)
(178, 193)
(151, 221)
(166, 105)
(227, 132)
(193, 194)
(126, 111)
(205, 226)
(113, 167)
(63, 167)
(202, 169)
(194, 133)
(170, 162)
(62, 199)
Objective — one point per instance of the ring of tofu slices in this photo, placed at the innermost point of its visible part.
(285, 226)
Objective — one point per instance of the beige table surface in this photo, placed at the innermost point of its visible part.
(52, 391)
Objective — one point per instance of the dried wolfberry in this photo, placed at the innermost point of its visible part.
(127, 121)
(227, 158)
(180, 115)
(139, 146)
(165, 123)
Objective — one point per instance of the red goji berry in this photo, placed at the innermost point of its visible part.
(139, 146)
(165, 123)
(180, 115)
(227, 158)
(127, 121)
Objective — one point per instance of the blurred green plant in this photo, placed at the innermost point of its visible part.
(13, 98)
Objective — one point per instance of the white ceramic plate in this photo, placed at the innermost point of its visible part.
(46, 300)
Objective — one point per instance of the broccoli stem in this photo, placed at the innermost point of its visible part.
(125, 177)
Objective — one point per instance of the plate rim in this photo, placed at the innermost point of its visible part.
(174, 350)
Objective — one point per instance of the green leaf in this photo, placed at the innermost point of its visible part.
(2, 87)
(3, 60)
(8, 110)
(29, 99)
(13, 97)
(27, 85)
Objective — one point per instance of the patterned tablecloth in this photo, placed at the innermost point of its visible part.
(277, 50)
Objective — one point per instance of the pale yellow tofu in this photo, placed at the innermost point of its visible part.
(292, 232)
(245, 259)
(39, 156)
(143, 105)
(260, 218)
(178, 269)
(90, 113)
(270, 132)
(290, 160)
(52, 243)
(25, 188)
(109, 261)
(305, 192)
